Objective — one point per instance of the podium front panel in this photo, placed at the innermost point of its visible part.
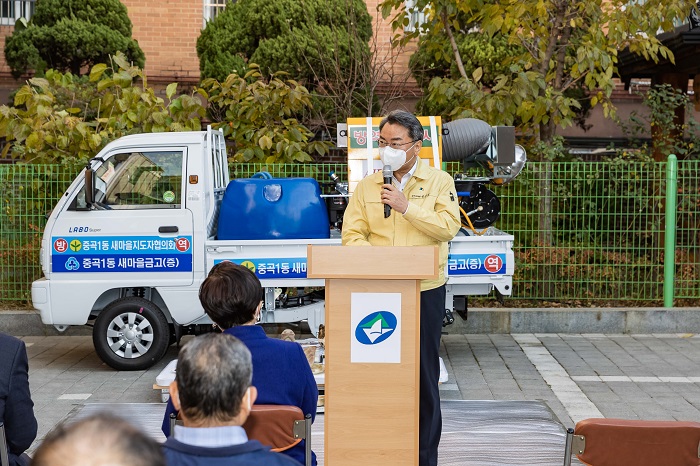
(372, 378)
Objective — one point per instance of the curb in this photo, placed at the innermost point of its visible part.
(578, 320)
(479, 321)
(28, 323)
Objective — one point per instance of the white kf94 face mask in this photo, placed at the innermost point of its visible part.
(395, 158)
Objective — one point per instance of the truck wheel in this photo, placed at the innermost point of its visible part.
(131, 334)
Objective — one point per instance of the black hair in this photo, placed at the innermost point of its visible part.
(230, 295)
(406, 119)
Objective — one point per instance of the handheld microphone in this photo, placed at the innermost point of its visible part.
(387, 180)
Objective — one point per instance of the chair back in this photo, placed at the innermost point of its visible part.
(621, 442)
(4, 457)
(278, 426)
(273, 425)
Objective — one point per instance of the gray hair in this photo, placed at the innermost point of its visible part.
(406, 119)
(214, 371)
(98, 440)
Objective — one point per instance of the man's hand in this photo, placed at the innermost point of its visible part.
(395, 198)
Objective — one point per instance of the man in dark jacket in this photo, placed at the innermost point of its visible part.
(213, 393)
(16, 406)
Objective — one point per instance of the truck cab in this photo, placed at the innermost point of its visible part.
(129, 259)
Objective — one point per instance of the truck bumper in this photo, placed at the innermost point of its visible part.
(41, 299)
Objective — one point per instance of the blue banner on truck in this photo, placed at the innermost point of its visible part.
(476, 264)
(264, 268)
(120, 254)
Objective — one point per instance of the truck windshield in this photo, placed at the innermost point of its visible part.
(139, 180)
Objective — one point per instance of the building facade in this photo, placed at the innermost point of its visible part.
(167, 31)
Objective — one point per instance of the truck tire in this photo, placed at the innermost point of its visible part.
(131, 334)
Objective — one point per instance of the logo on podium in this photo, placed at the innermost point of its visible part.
(375, 323)
(375, 328)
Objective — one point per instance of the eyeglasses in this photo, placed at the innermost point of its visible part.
(396, 145)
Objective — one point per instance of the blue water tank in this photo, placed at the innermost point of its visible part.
(277, 208)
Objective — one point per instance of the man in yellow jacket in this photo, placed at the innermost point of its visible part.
(424, 212)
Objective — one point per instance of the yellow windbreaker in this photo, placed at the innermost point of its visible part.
(432, 219)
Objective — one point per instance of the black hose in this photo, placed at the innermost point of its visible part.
(464, 138)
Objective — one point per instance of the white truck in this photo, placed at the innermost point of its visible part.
(129, 252)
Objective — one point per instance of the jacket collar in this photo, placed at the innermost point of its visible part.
(248, 447)
(247, 332)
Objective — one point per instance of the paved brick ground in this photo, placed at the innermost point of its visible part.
(653, 377)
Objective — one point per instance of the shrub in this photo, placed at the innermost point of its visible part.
(321, 44)
(64, 118)
(67, 36)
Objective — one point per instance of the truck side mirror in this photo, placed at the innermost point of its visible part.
(89, 186)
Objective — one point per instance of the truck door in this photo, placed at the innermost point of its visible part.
(138, 234)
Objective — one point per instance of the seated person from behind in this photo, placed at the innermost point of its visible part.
(16, 406)
(99, 440)
(231, 296)
(212, 390)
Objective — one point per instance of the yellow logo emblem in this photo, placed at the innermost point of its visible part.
(248, 265)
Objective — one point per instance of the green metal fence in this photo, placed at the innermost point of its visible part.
(586, 233)
(27, 194)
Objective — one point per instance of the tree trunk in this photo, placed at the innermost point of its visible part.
(544, 191)
(453, 44)
(678, 81)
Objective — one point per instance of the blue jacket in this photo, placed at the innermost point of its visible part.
(281, 374)
(16, 406)
(249, 453)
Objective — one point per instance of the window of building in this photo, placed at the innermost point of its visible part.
(416, 16)
(12, 10)
(213, 8)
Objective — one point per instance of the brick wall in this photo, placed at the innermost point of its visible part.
(167, 32)
(392, 63)
(4, 32)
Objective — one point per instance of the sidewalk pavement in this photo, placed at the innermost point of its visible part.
(642, 376)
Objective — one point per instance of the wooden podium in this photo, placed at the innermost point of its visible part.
(372, 350)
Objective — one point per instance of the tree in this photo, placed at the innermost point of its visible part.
(67, 35)
(258, 116)
(62, 118)
(433, 59)
(322, 44)
(660, 119)
(564, 44)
